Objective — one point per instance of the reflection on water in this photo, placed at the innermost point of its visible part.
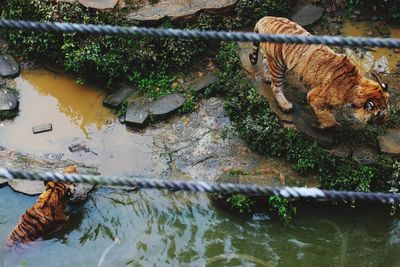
(78, 117)
(371, 59)
(83, 105)
(158, 228)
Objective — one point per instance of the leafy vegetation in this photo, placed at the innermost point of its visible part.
(240, 203)
(282, 208)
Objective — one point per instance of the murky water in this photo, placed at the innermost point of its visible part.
(372, 59)
(180, 229)
(78, 117)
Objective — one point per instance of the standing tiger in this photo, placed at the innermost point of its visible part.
(334, 80)
(45, 217)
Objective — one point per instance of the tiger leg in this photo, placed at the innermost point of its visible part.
(324, 115)
(277, 72)
(266, 74)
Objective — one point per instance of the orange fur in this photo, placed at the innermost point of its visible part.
(46, 216)
(334, 79)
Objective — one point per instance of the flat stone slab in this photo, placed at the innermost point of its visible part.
(8, 100)
(9, 67)
(390, 142)
(27, 187)
(137, 112)
(3, 181)
(203, 82)
(81, 193)
(307, 15)
(42, 128)
(167, 104)
(99, 4)
(115, 100)
(178, 9)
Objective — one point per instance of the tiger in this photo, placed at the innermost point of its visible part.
(46, 216)
(334, 79)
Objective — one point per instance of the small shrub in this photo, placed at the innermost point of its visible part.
(282, 208)
(240, 203)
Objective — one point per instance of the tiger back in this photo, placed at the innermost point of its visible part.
(45, 217)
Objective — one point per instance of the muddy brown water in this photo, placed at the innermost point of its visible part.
(78, 117)
(378, 59)
(158, 228)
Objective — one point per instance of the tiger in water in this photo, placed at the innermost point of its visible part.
(334, 80)
(46, 216)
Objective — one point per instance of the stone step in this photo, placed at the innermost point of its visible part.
(166, 105)
(307, 15)
(117, 98)
(200, 84)
(137, 112)
(9, 67)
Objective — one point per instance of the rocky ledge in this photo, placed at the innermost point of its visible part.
(178, 9)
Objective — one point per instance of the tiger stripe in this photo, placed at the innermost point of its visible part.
(46, 216)
(334, 79)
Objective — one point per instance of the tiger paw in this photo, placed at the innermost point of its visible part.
(287, 107)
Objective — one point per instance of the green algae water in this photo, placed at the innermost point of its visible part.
(158, 228)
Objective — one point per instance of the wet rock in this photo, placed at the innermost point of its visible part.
(115, 100)
(99, 4)
(9, 67)
(8, 100)
(300, 116)
(307, 15)
(42, 128)
(365, 155)
(3, 181)
(390, 142)
(81, 193)
(203, 82)
(166, 105)
(27, 187)
(137, 112)
(179, 9)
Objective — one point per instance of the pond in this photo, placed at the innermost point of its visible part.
(156, 228)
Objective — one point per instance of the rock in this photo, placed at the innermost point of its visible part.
(396, 50)
(365, 155)
(99, 4)
(8, 100)
(137, 112)
(42, 128)
(166, 105)
(203, 82)
(390, 142)
(115, 100)
(81, 193)
(27, 187)
(307, 15)
(333, 28)
(9, 67)
(178, 9)
(3, 181)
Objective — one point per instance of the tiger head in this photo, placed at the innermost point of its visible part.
(370, 101)
(58, 190)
